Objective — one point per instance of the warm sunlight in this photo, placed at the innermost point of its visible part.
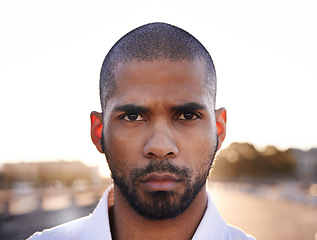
(265, 58)
(49, 80)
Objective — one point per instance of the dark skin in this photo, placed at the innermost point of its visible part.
(161, 110)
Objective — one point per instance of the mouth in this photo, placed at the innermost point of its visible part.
(160, 182)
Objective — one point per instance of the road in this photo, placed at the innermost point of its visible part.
(264, 218)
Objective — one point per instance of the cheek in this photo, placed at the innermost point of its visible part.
(121, 151)
(200, 149)
(201, 139)
(115, 152)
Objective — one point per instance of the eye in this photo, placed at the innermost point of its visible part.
(131, 117)
(188, 116)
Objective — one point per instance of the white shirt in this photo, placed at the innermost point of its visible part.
(96, 226)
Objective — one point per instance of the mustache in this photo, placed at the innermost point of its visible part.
(162, 166)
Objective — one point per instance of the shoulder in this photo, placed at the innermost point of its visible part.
(235, 233)
(95, 226)
(67, 231)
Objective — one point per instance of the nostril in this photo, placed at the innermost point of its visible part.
(160, 145)
(160, 156)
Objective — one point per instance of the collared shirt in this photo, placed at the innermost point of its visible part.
(96, 226)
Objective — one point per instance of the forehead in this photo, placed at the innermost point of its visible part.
(142, 81)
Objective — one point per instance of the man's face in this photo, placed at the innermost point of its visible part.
(160, 135)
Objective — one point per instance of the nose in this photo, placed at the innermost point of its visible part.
(160, 143)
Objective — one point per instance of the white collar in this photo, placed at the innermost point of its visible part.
(98, 225)
(212, 226)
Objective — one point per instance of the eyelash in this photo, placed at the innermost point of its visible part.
(135, 120)
(194, 115)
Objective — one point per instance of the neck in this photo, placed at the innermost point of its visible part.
(137, 227)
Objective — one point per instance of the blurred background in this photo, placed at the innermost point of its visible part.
(265, 177)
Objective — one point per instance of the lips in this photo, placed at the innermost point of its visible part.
(160, 182)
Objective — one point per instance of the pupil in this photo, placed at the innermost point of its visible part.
(188, 115)
(132, 117)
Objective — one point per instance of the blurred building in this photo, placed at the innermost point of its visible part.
(306, 162)
(44, 173)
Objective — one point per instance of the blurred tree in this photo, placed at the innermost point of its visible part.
(242, 160)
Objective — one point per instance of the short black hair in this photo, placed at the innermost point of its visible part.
(154, 41)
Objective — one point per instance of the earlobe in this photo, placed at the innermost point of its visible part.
(221, 121)
(96, 129)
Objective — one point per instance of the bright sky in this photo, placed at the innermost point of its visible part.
(51, 53)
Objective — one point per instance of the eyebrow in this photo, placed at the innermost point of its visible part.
(185, 107)
(189, 107)
(131, 108)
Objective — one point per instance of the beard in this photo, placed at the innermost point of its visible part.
(161, 205)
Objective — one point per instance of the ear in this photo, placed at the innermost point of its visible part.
(96, 129)
(221, 121)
